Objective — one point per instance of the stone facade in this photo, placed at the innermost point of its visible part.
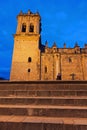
(26, 54)
(34, 61)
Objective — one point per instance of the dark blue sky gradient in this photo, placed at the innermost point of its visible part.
(62, 21)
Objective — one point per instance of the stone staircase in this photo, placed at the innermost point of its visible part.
(43, 105)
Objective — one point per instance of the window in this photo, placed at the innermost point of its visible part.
(29, 59)
(29, 70)
(45, 69)
(31, 28)
(23, 27)
(70, 60)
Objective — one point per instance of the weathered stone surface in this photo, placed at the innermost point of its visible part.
(35, 123)
(58, 101)
(43, 105)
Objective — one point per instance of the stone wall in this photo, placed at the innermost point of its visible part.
(26, 45)
(69, 63)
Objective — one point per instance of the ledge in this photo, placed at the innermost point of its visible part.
(45, 82)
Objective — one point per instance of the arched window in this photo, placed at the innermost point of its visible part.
(29, 70)
(23, 27)
(45, 69)
(31, 28)
(29, 59)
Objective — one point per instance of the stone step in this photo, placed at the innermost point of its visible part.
(45, 111)
(36, 123)
(44, 85)
(44, 93)
(43, 105)
(41, 123)
(73, 101)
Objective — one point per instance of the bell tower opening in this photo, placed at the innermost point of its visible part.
(31, 28)
(23, 27)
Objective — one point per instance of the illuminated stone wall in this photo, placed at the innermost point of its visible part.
(26, 45)
(32, 62)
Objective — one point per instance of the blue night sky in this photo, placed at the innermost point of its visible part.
(62, 21)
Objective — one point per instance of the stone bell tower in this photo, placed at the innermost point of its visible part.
(26, 53)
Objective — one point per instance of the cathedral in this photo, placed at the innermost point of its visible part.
(32, 60)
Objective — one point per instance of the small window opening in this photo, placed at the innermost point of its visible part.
(29, 70)
(45, 69)
(70, 60)
(23, 27)
(29, 59)
(31, 29)
(75, 52)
